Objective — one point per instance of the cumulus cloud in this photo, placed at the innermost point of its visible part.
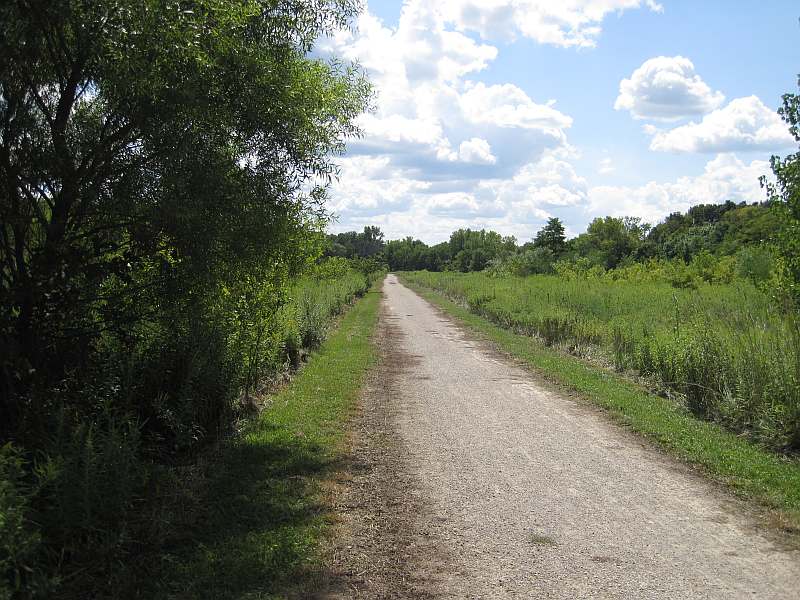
(666, 88)
(432, 122)
(743, 124)
(370, 186)
(424, 100)
(563, 23)
(508, 106)
(521, 204)
(550, 181)
(476, 150)
(725, 177)
(443, 150)
(373, 191)
(462, 206)
(399, 128)
(538, 188)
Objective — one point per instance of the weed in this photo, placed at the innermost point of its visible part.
(542, 540)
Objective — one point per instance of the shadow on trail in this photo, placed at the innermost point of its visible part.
(259, 517)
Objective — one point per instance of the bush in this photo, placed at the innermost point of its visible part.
(580, 268)
(536, 261)
(89, 482)
(755, 263)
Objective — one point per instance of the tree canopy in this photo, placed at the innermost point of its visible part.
(153, 150)
(352, 244)
(718, 241)
(551, 236)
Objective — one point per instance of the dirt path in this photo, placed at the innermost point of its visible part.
(473, 481)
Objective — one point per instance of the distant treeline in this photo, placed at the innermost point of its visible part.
(734, 239)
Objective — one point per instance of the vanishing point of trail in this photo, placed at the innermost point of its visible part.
(503, 488)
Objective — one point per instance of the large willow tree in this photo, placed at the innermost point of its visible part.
(152, 150)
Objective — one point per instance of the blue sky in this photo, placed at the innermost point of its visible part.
(502, 113)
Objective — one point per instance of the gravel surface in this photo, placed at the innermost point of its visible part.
(475, 481)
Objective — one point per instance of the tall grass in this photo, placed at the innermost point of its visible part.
(257, 528)
(314, 305)
(724, 350)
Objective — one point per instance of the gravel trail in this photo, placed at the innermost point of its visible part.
(520, 492)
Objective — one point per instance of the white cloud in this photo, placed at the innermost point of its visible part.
(430, 51)
(443, 150)
(375, 193)
(541, 187)
(535, 189)
(560, 23)
(666, 88)
(370, 186)
(546, 174)
(476, 150)
(508, 106)
(462, 206)
(455, 204)
(399, 128)
(744, 124)
(424, 100)
(372, 191)
(606, 166)
(724, 178)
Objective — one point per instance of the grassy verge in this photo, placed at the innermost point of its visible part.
(753, 472)
(263, 515)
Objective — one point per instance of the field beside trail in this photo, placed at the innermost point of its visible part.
(724, 351)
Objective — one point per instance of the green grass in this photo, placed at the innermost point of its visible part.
(751, 471)
(263, 519)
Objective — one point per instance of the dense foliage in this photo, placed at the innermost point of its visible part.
(727, 351)
(721, 229)
(352, 244)
(467, 250)
(710, 242)
(158, 162)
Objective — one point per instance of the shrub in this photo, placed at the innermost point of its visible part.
(755, 263)
(535, 261)
(89, 483)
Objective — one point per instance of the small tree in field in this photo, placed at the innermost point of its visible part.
(551, 236)
(785, 195)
